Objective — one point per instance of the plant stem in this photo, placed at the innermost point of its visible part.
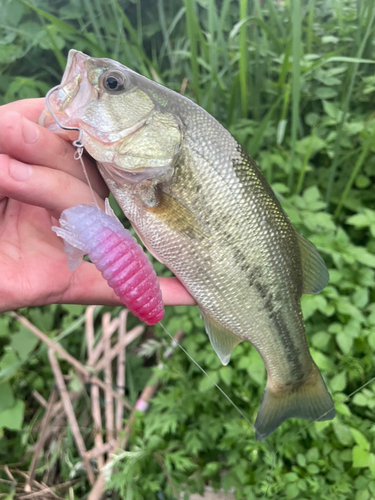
(296, 48)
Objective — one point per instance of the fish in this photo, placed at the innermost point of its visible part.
(87, 230)
(202, 207)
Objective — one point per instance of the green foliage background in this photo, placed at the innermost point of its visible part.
(294, 82)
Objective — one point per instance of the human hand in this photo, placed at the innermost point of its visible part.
(39, 178)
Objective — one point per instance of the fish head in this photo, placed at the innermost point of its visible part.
(126, 122)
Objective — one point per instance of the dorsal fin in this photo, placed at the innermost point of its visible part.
(314, 271)
(223, 341)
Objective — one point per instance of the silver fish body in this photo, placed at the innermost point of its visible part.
(203, 208)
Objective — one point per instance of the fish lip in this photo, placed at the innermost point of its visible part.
(75, 70)
(75, 57)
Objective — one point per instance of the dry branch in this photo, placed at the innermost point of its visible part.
(41, 440)
(127, 339)
(98, 349)
(109, 420)
(39, 398)
(95, 394)
(68, 407)
(64, 354)
(121, 360)
(104, 448)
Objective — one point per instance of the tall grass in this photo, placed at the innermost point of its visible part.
(256, 66)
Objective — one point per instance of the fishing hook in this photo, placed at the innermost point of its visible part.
(78, 142)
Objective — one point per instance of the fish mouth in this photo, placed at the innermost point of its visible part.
(73, 93)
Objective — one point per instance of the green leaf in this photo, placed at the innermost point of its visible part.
(344, 342)
(343, 434)
(325, 93)
(205, 384)
(324, 363)
(332, 110)
(361, 297)
(338, 383)
(12, 417)
(23, 342)
(360, 439)
(292, 491)
(361, 457)
(301, 460)
(360, 400)
(6, 396)
(226, 374)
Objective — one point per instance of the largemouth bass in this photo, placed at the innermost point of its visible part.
(202, 207)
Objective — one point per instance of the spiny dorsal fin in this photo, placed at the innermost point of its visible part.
(223, 341)
(314, 271)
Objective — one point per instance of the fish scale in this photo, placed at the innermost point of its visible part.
(202, 207)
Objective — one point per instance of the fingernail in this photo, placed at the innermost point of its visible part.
(30, 131)
(19, 171)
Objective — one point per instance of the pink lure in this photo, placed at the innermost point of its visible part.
(87, 230)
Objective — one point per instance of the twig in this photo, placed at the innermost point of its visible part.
(41, 440)
(39, 398)
(95, 394)
(70, 414)
(9, 474)
(98, 349)
(37, 494)
(109, 422)
(61, 351)
(41, 486)
(104, 448)
(142, 405)
(98, 489)
(121, 360)
(148, 392)
(128, 339)
(89, 328)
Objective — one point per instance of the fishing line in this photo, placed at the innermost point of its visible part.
(309, 424)
(267, 445)
(77, 143)
(209, 378)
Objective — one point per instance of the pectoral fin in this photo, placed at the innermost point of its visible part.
(223, 341)
(314, 270)
(179, 217)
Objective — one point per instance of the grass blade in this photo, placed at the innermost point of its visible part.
(345, 107)
(243, 57)
(357, 167)
(296, 84)
(191, 27)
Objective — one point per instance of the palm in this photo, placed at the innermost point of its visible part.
(32, 257)
(33, 265)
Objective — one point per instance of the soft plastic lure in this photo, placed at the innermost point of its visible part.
(87, 230)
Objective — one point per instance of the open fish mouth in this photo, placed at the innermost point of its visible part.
(70, 96)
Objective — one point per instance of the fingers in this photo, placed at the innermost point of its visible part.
(174, 293)
(88, 287)
(29, 108)
(28, 142)
(44, 187)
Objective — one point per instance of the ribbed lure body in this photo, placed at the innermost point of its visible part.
(87, 230)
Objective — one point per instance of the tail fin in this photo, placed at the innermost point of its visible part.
(309, 400)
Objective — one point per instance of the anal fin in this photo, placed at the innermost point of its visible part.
(223, 341)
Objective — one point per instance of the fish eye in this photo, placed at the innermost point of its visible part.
(114, 81)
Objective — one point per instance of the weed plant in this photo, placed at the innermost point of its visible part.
(294, 82)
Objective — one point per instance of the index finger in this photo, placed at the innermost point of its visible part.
(29, 108)
(31, 143)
